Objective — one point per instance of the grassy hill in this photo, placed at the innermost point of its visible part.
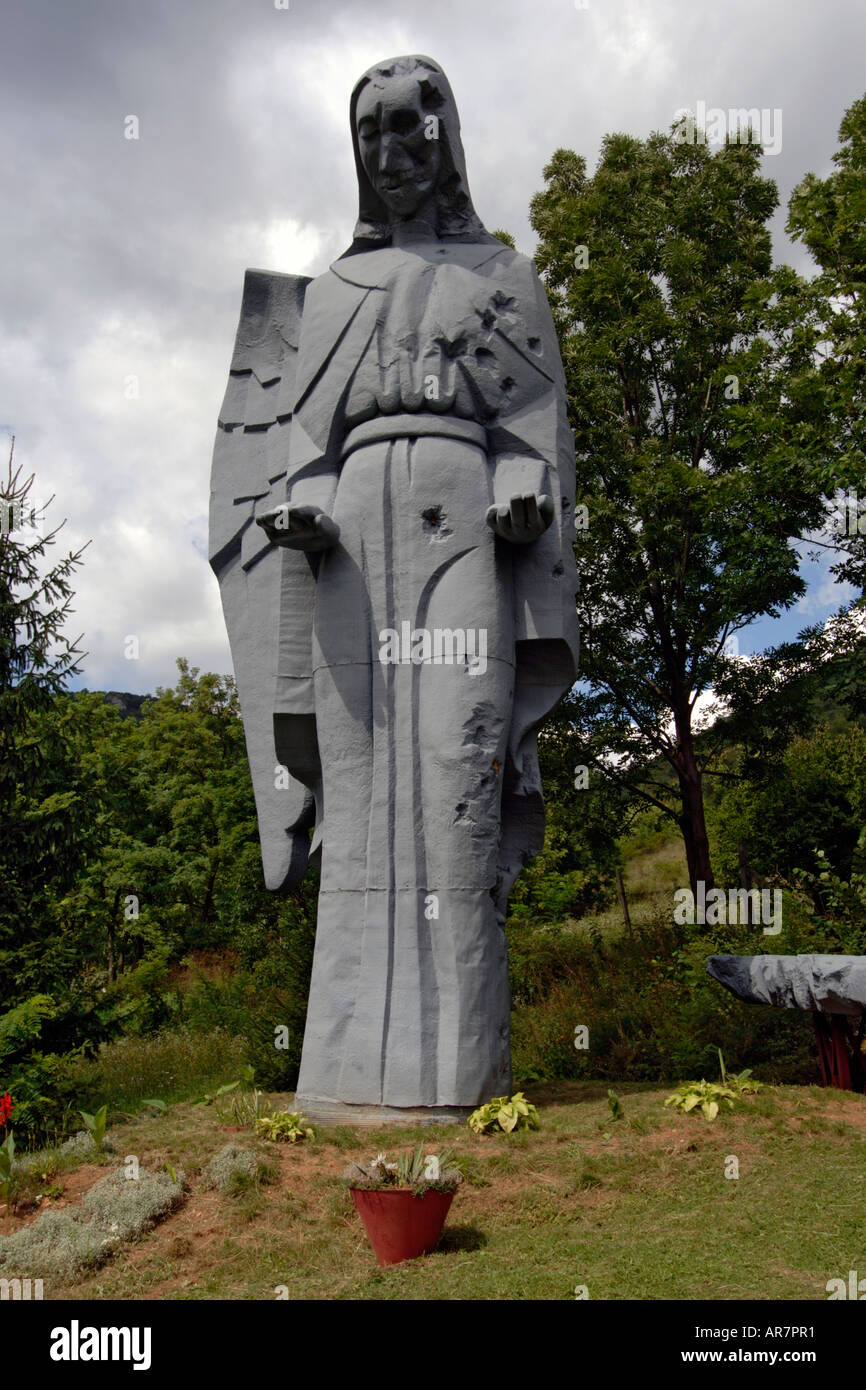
(633, 1208)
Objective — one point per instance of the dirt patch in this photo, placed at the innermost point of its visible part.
(848, 1107)
(188, 1239)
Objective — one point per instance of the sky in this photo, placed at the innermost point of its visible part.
(123, 258)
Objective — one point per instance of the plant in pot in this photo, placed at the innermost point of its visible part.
(403, 1204)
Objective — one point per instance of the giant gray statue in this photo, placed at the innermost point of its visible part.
(391, 525)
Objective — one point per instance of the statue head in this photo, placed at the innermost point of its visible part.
(408, 154)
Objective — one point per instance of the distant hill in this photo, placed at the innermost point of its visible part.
(128, 706)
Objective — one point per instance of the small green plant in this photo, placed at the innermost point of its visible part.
(96, 1125)
(615, 1105)
(244, 1108)
(284, 1126)
(417, 1171)
(504, 1115)
(711, 1095)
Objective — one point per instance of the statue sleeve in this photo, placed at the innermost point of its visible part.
(247, 478)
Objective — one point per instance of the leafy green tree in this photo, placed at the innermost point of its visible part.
(175, 809)
(812, 802)
(785, 692)
(575, 872)
(829, 217)
(43, 831)
(691, 392)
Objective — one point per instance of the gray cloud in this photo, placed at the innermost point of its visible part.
(124, 258)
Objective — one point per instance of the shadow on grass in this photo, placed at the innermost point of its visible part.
(463, 1237)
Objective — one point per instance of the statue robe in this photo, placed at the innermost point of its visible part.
(429, 385)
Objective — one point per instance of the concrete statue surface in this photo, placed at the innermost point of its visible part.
(391, 525)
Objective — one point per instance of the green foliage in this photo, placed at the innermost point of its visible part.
(22, 1026)
(284, 1126)
(810, 802)
(829, 217)
(697, 439)
(708, 1096)
(177, 1062)
(652, 1011)
(96, 1125)
(837, 906)
(504, 1114)
(418, 1171)
(574, 873)
(43, 814)
(242, 1108)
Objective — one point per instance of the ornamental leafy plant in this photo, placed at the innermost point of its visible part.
(416, 1171)
(709, 1096)
(284, 1126)
(504, 1115)
(96, 1125)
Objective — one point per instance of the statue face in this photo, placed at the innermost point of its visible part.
(401, 162)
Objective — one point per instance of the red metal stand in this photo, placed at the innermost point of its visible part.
(839, 1051)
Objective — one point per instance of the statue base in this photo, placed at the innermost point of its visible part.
(335, 1112)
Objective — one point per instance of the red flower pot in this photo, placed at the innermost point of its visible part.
(401, 1226)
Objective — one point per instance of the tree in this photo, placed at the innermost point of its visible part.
(691, 393)
(43, 832)
(575, 872)
(829, 217)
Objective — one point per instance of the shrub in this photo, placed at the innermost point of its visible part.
(651, 1010)
(234, 1168)
(83, 1146)
(127, 1207)
(61, 1243)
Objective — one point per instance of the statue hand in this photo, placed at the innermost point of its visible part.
(522, 519)
(300, 528)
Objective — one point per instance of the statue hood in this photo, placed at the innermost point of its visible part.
(458, 220)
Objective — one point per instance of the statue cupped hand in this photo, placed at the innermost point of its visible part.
(521, 519)
(299, 528)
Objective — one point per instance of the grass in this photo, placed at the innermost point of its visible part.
(164, 1066)
(655, 866)
(634, 1208)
